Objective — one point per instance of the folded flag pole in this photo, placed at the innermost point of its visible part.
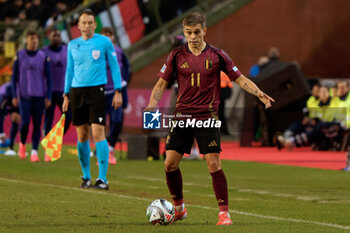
(52, 143)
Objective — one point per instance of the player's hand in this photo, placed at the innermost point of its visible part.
(265, 99)
(65, 104)
(15, 102)
(47, 103)
(117, 100)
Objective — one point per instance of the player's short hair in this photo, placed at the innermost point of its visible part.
(53, 29)
(106, 30)
(32, 33)
(194, 19)
(343, 81)
(87, 12)
(324, 86)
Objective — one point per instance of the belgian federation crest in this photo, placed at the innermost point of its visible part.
(208, 64)
(96, 54)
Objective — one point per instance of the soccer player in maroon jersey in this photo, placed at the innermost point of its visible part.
(197, 66)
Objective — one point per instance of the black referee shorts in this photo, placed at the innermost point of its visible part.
(181, 140)
(88, 105)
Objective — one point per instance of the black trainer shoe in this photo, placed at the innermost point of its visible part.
(100, 184)
(86, 183)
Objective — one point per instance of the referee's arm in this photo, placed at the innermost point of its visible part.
(68, 79)
(116, 75)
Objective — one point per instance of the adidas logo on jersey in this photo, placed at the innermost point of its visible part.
(184, 66)
(213, 143)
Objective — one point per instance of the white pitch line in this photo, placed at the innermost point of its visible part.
(196, 206)
(307, 198)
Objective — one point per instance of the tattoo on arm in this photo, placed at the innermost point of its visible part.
(157, 94)
(249, 89)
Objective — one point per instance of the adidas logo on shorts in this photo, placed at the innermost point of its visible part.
(213, 143)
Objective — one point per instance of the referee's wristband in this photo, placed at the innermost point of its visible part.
(119, 90)
(66, 94)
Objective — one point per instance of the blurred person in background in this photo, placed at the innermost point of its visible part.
(261, 64)
(115, 115)
(57, 52)
(38, 10)
(15, 11)
(330, 117)
(273, 54)
(8, 108)
(263, 61)
(5, 69)
(343, 95)
(59, 10)
(4, 141)
(31, 91)
(308, 122)
(343, 91)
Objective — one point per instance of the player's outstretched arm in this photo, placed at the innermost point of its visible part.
(157, 94)
(250, 87)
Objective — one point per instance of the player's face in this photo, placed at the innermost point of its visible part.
(87, 25)
(55, 38)
(342, 88)
(194, 35)
(32, 42)
(324, 94)
(315, 90)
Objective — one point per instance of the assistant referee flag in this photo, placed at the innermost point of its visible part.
(52, 143)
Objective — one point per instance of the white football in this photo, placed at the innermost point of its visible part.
(161, 212)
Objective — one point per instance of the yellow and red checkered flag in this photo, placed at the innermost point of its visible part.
(52, 143)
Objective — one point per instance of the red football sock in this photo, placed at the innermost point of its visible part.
(220, 189)
(174, 182)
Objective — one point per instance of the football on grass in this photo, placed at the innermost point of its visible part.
(160, 212)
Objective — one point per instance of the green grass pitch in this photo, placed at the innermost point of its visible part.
(45, 197)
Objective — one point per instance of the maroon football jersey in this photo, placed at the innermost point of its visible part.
(198, 78)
